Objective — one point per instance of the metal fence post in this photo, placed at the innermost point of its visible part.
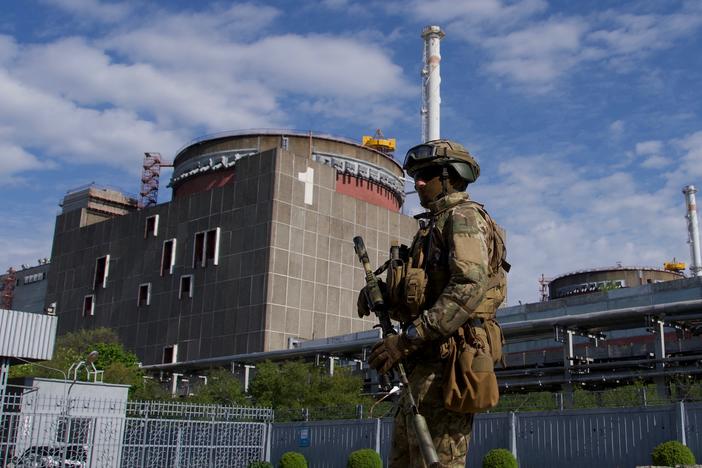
(378, 428)
(269, 438)
(145, 435)
(513, 433)
(680, 422)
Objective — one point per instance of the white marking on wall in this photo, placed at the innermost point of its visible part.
(308, 178)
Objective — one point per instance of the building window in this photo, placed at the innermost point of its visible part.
(102, 270)
(170, 354)
(89, 305)
(198, 249)
(144, 298)
(33, 278)
(186, 286)
(168, 257)
(151, 226)
(206, 249)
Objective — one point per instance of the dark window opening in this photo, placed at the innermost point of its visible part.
(198, 253)
(170, 354)
(186, 286)
(168, 257)
(88, 305)
(102, 269)
(206, 249)
(151, 227)
(144, 295)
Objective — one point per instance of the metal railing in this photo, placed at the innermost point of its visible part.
(48, 430)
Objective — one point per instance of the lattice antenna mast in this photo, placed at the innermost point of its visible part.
(150, 177)
(8, 292)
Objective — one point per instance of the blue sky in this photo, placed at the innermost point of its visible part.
(586, 117)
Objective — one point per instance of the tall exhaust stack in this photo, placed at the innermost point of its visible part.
(693, 230)
(431, 83)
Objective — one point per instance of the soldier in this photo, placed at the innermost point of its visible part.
(453, 280)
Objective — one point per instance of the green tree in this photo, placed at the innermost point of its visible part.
(120, 366)
(222, 388)
(149, 389)
(294, 385)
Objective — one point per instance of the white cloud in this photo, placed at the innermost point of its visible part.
(537, 55)
(33, 118)
(154, 85)
(649, 147)
(560, 218)
(87, 76)
(616, 129)
(8, 49)
(656, 162)
(474, 12)
(14, 160)
(636, 34)
(535, 49)
(347, 6)
(108, 12)
(690, 167)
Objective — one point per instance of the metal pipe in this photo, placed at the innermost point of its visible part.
(614, 319)
(431, 83)
(693, 230)
(528, 330)
(610, 365)
(613, 376)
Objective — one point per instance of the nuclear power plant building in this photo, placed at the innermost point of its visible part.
(253, 252)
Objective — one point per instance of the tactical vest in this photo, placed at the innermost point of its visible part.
(417, 275)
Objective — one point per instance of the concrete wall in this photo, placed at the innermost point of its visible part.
(315, 275)
(29, 297)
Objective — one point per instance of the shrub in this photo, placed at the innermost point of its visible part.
(499, 458)
(672, 453)
(260, 464)
(292, 460)
(364, 458)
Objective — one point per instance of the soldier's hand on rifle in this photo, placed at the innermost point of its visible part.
(363, 303)
(388, 352)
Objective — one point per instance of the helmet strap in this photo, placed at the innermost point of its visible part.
(444, 181)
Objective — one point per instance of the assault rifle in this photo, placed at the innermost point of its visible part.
(376, 303)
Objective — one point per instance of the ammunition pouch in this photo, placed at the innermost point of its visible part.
(395, 280)
(470, 384)
(415, 284)
(406, 292)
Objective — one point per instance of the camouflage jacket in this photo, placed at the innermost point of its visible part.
(462, 253)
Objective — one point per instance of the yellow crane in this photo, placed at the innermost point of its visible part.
(379, 142)
(675, 266)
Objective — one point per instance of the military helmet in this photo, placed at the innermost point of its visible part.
(442, 153)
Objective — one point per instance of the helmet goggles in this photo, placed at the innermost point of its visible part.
(441, 153)
(419, 155)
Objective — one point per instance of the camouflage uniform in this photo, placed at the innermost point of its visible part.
(458, 242)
